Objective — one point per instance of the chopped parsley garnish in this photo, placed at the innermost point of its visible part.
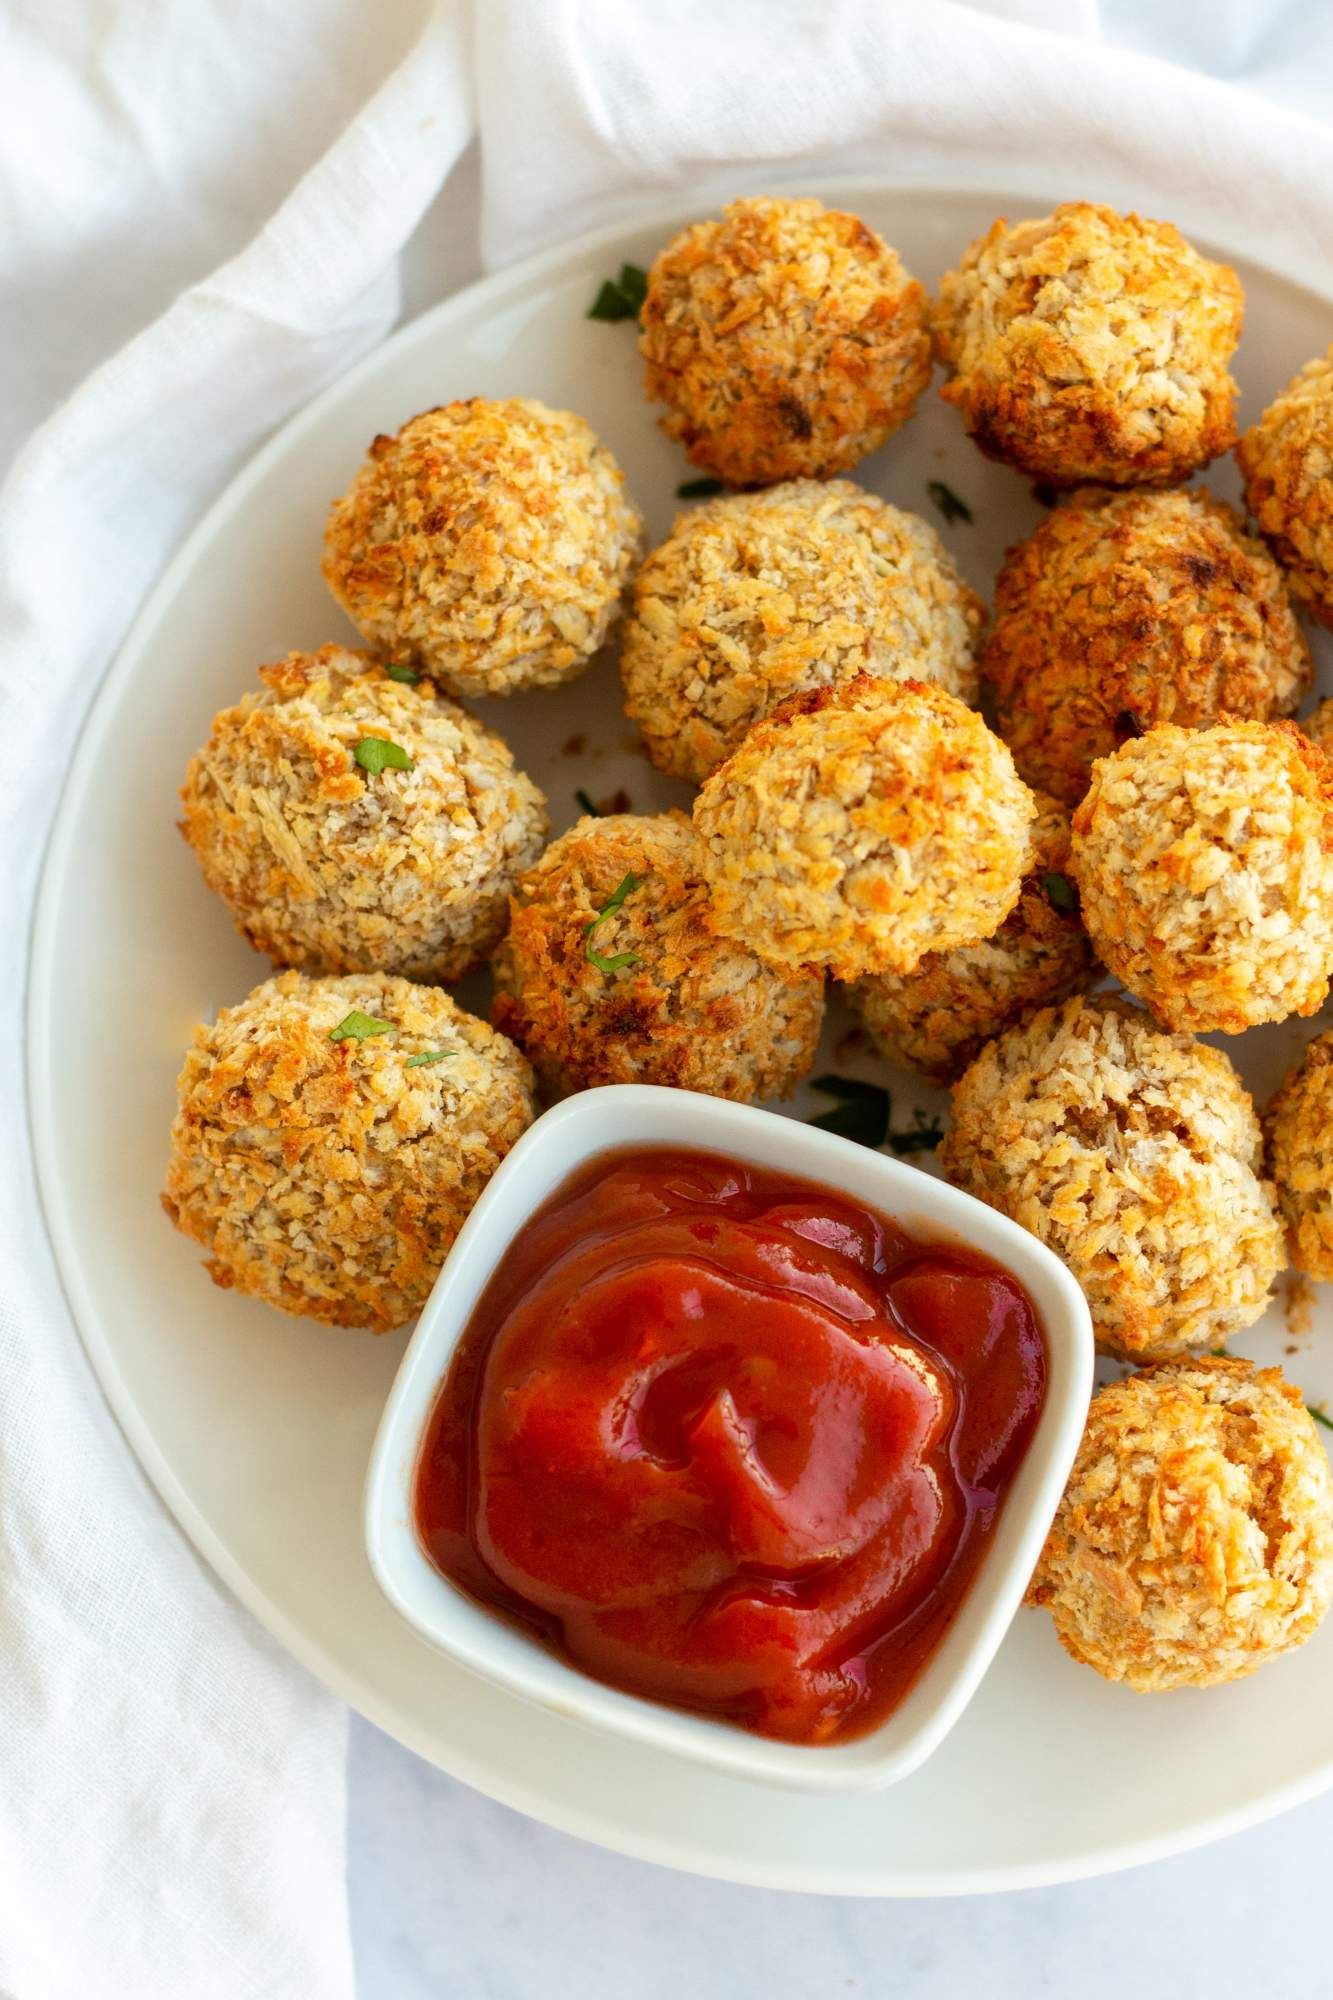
(1060, 891)
(586, 805)
(427, 1056)
(398, 672)
(1320, 1417)
(374, 753)
(923, 1135)
(621, 959)
(952, 508)
(699, 489)
(359, 1027)
(622, 297)
(863, 1112)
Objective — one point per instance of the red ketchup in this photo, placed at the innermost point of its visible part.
(731, 1440)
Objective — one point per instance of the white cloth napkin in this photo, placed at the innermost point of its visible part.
(171, 1787)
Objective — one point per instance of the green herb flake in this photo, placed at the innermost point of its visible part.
(699, 489)
(952, 508)
(864, 1112)
(427, 1057)
(1320, 1416)
(376, 753)
(1060, 892)
(585, 804)
(923, 1135)
(622, 297)
(359, 1027)
(621, 959)
(397, 671)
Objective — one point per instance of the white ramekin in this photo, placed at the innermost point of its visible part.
(633, 1115)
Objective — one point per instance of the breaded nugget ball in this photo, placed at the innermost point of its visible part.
(1195, 1537)
(1088, 345)
(1298, 1128)
(1129, 609)
(1287, 462)
(935, 1020)
(332, 1136)
(760, 595)
(648, 994)
(786, 340)
(334, 861)
(863, 825)
(1204, 860)
(1136, 1156)
(487, 544)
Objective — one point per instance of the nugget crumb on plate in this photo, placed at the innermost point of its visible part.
(329, 1176)
(1287, 463)
(1319, 727)
(1088, 345)
(758, 596)
(1195, 1537)
(785, 339)
(863, 825)
(686, 1008)
(333, 867)
(487, 543)
(1204, 860)
(1136, 1156)
(1124, 610)
(1298, 1128)
(935, 1020)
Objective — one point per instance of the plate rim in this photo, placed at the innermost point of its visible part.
(564, 1814)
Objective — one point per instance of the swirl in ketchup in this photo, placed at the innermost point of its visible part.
(731, 1440)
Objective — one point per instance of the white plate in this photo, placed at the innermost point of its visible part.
(256, 1429)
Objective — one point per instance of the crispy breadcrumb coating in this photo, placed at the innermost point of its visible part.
(758, 596)
(785, 339)
(487, 543)
(1129, 609)
(863, 825)
(1298, 1128)
(694, 1011)
(1195, 1537)
(1204, 860)
(333, 868)
(1087, 345)
(1135, 1156)
(1287, 463)
(935, 1020)
(330, 1177)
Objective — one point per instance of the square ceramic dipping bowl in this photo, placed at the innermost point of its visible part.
(598, 1122)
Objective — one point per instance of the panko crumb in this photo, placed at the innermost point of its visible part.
(689, 1010)
(329, 867)
(785, 339)
(1125, 610)
(758, 596)
(1091, 346)
(863, 825)
(1298, 1303)
(1204, 860)
(487, 543)
(329, 1178)
(1298, 1129)
(935, 1020)
(1286, 460)
(1194, 1541)
(1136, 1156)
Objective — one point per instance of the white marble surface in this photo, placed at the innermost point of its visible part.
(455, 1898)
